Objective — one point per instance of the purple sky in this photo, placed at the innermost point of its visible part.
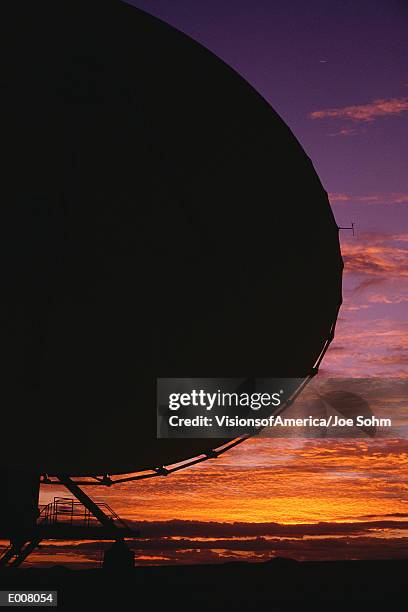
(308, 56)
(337, 73)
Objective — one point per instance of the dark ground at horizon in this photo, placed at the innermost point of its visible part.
(230, 586)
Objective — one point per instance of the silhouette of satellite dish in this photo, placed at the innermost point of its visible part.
(162, 221)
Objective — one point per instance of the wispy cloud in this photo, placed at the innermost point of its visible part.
(346, 131)
(375, 292)
(365, 112)
(381, 298)
(373, 198)
(376, 260)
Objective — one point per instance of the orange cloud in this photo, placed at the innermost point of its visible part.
(365, 112)
(265, 480)
(307, 499)
(375, 259)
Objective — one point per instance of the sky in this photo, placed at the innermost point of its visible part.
(337, 73)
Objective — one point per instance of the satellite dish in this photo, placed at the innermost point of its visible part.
(162, 221)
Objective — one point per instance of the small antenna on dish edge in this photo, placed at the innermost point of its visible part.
(348, 228)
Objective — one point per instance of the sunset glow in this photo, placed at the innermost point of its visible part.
(346, 102)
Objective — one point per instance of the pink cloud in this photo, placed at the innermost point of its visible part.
(365, 112)
(346, 131)
(378, 198)
(379, 298)
(376, 283)
(375, 260)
